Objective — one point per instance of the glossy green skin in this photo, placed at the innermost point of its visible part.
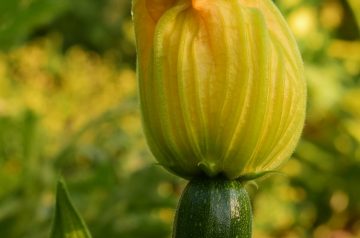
(213, 208)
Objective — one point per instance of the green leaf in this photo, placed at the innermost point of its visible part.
(67, 221)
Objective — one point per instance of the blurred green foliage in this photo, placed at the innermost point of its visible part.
(68, 106)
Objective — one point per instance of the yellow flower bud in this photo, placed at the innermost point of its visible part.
(221, 85)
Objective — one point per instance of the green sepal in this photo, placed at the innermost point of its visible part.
(253, 176)
(67, 221)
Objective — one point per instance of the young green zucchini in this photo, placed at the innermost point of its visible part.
(213, 208)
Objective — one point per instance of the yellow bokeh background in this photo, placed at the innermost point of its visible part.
(68, 105)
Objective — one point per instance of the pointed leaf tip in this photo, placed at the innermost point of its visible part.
(67, 221)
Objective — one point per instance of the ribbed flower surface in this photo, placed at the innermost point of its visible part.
(221, 85)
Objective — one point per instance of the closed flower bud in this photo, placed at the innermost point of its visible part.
(221, 84)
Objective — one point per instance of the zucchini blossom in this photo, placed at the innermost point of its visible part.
(221, 85)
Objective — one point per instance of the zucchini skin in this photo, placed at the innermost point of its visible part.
(213, 208)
